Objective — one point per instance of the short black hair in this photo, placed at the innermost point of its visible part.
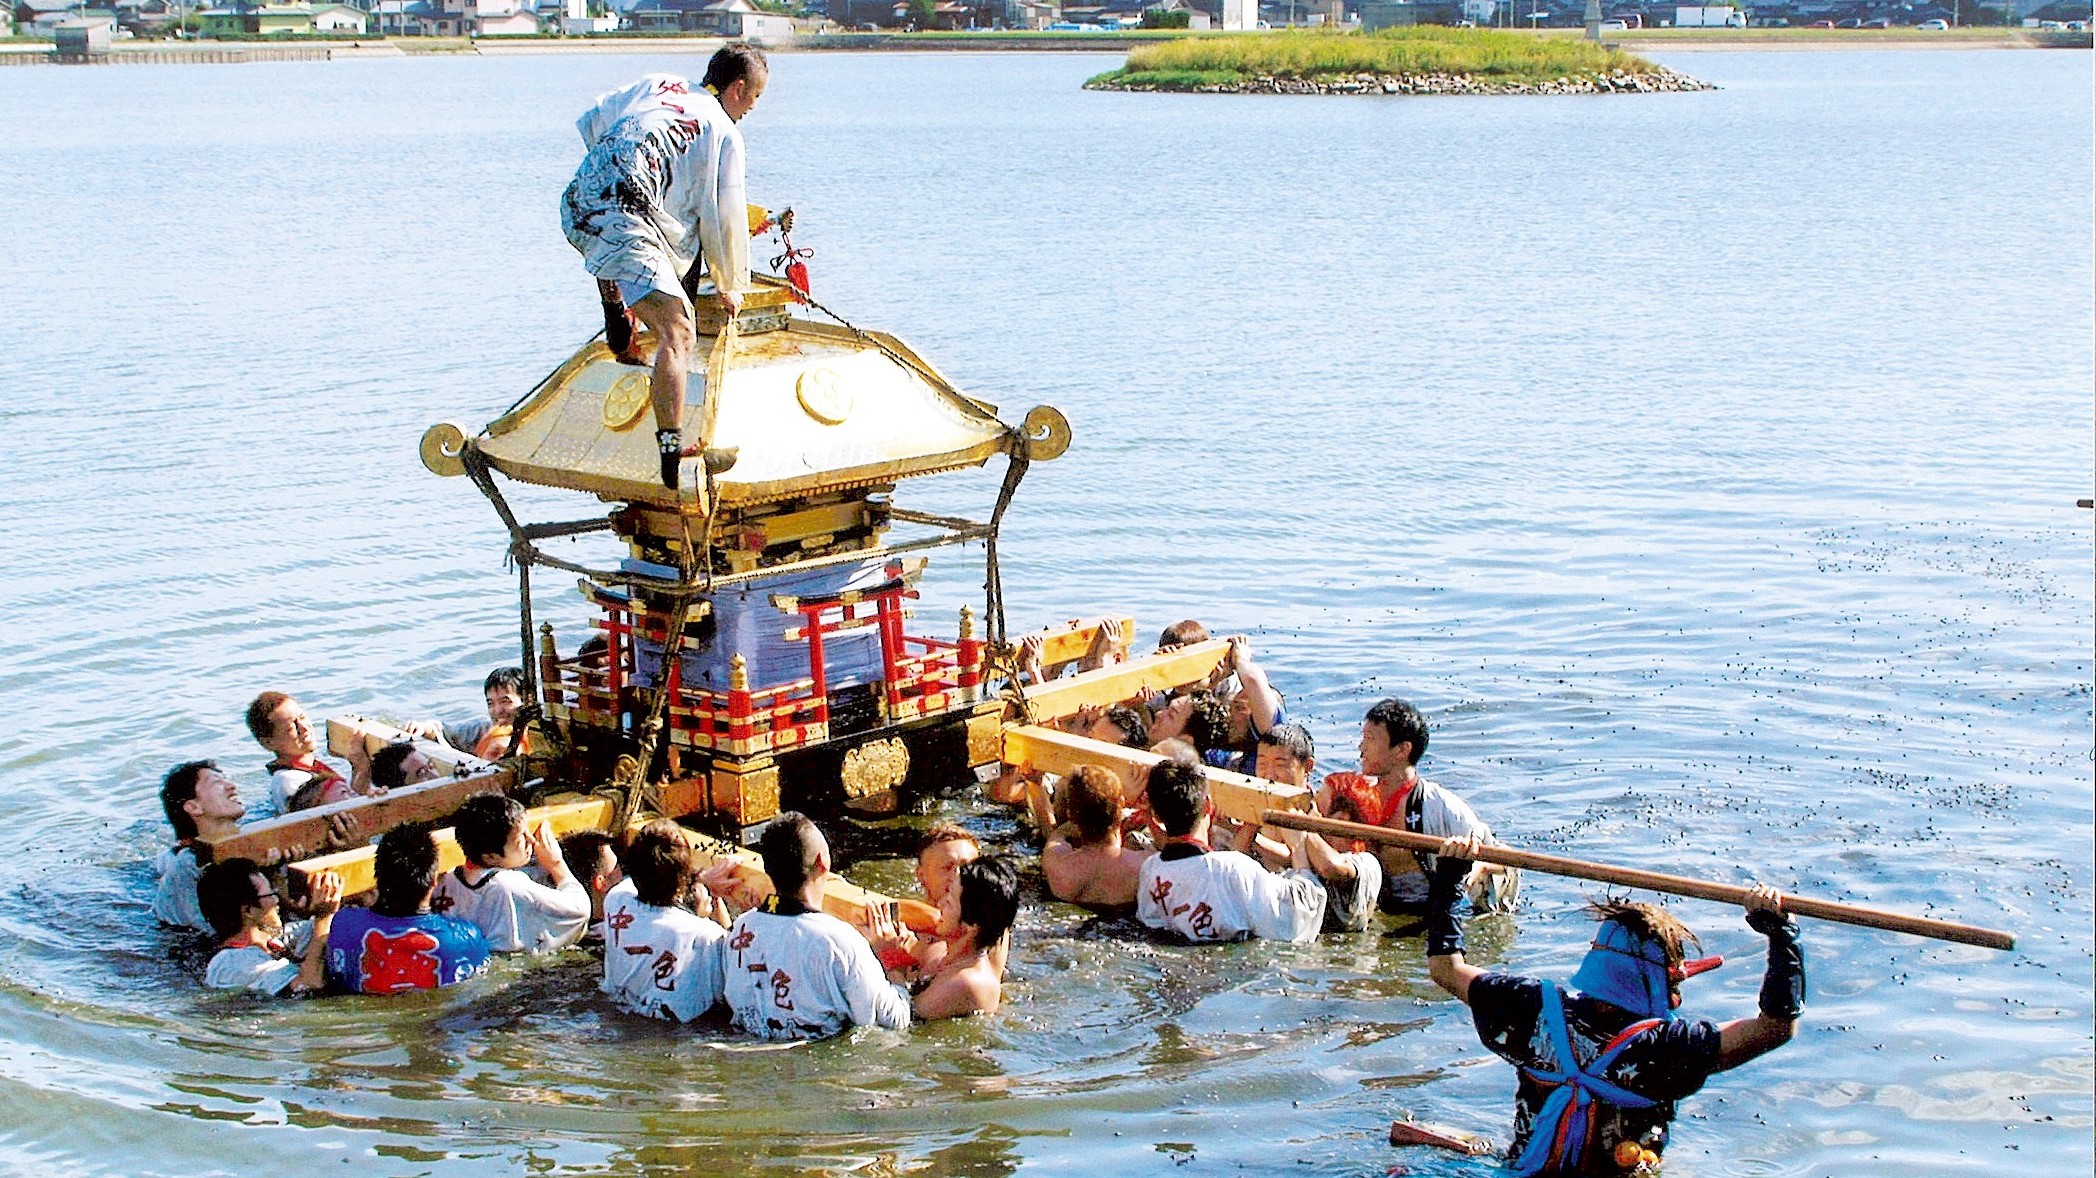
(583, 851)
(659, 863)
(1208, 725)
(989, 898)
(1294, 739)
(226, 889)
(787, 846)
(181, 786)
(388, 765)
(1135, 733)
(510, 677)
(405, 867)
(483, 825)
(733, 63)
(1401, 722)
(1178, 794)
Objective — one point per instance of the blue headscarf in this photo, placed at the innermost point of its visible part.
(1626, 970)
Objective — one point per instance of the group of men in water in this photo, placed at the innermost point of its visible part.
(1602, 1059)
(678, 940)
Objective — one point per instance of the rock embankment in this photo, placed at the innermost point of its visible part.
(1656, 81)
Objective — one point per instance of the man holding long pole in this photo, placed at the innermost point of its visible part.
(661, 186)
(1604, 1059)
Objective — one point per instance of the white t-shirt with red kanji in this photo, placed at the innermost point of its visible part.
(516, 913)
(661, 962)
(1207, 896)
(806, 976)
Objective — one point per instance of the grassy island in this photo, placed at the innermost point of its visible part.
(1416, 60)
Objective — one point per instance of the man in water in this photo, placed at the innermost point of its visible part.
(1352, 877)
(1604, 1058)
(201, 803)
(662, 186)
(1393, 738)
(489, 739)
(257, 951)
(298, 778)
(1206, 896)
(398, 944)
(1084, 861)
(793, 971)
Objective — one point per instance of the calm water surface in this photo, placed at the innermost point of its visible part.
(1703, 464)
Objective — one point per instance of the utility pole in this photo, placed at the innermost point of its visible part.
(1594, 21)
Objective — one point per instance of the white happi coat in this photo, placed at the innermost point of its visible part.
(661, 962)
(662, 182)
(806, 976)
(1226, 896)
(514, 912)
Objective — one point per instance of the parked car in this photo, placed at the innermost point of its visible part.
(1821, 24)
(1614, 26)
(1850, 23)
(1631, 20)
(1880, 22)
(1935, 26)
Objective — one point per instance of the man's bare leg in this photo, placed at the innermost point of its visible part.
(669, 319)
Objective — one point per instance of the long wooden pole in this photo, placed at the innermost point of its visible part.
(1679, 885)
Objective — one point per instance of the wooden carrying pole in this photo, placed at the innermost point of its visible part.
(1630, 877)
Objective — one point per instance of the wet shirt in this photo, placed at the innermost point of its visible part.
(175, 897)
(372, 954)
(1665, 1064)
(262, 969)
(316, 780)
(805, 976)
(1427, 809)
(661, 962)
(514, 912)
(1207, 896)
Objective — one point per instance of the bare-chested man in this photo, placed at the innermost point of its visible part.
(1084, 861)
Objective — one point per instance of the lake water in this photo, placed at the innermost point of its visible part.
(1703, 464)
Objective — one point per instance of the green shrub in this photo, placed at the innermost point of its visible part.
(1481, 53)
(1159, 18)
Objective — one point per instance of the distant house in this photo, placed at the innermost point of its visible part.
(1031, 14)
(281, 20)
(83, 36)
(735, 18)
(457, 18)
(501, 18)
(1228, 14)
(946, 14)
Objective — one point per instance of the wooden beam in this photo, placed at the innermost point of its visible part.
(1125, 681)
(1236, 796)
(355, 865)
(307, 830)
(377, 734)
(840, 898)
(1074, 640)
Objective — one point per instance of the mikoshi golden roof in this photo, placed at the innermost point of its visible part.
(808, 408)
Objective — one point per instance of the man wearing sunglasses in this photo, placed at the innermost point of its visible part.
(257, 951)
